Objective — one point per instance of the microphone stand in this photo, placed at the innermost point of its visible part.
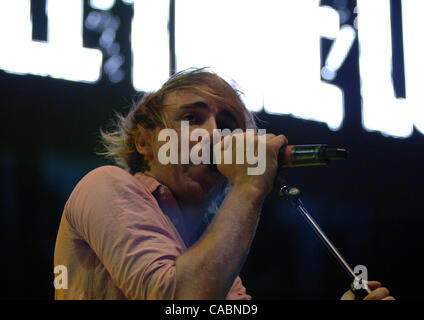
(292, 194)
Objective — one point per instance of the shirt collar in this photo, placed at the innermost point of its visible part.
(166, 202)
(149, 182)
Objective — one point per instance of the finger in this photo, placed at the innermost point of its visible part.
(378, 294)
(279, 138)
(389, 298)
(286, 141)
(348, 295)
(283, 139)
(373, 284)
(277, 141)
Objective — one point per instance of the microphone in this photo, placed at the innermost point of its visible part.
(307, 155)
(291, 156)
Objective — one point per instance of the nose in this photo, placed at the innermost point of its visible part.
(211, 125)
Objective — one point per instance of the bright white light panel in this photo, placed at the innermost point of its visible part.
(62, 56)
(271, 48)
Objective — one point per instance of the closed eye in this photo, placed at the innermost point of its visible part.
(192, 117)
(226, 122)
(188, 117)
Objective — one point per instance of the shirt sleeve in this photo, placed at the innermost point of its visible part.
(123, 225)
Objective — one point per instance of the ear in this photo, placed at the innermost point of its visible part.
(143, 144)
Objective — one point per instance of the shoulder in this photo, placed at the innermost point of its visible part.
(107, 172)
(109, 176)
(106, 184)
(106, 194)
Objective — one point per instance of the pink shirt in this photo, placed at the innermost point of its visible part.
(117, 243)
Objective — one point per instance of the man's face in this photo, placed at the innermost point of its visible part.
(191, 184)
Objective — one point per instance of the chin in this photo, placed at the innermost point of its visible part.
(201, 182)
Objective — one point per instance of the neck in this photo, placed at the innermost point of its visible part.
(193, 220)
(193, 212)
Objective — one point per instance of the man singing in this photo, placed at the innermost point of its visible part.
(161, 230)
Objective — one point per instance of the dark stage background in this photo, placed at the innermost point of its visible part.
(368, 205)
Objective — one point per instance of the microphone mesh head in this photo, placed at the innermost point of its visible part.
(336, 154)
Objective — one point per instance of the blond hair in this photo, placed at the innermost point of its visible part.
(119, 143)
